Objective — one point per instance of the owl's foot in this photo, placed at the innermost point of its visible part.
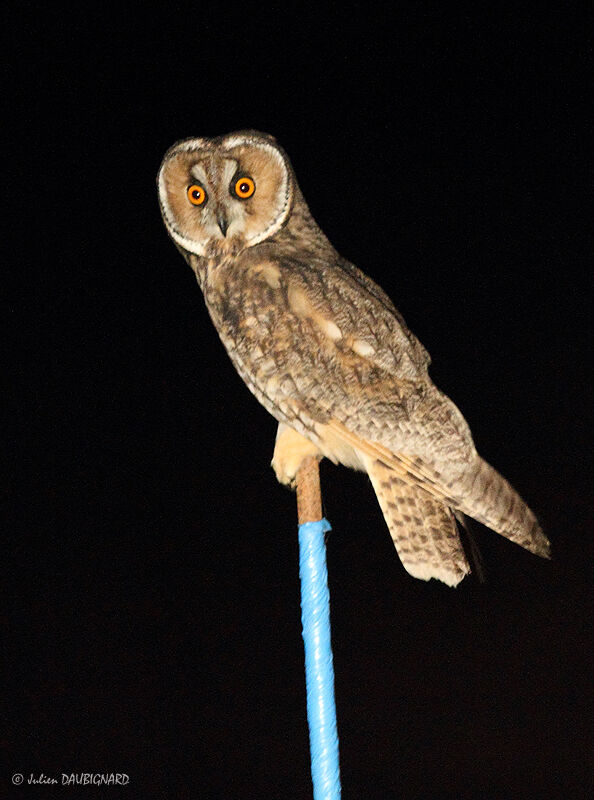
(290, 451)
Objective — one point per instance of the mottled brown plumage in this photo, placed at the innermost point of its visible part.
(325, 351)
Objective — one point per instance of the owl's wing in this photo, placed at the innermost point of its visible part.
(369, 286)
(323, 343)
(326, 356)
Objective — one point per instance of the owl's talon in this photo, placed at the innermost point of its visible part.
(290, 451)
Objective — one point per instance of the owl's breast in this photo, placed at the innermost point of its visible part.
(242, 295)
(247, 303)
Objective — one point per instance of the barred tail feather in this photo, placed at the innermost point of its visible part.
(490, 499)
(477, 490)
(422, 528)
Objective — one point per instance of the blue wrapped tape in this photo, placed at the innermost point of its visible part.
(319, 671)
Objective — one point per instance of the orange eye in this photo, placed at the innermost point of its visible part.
(244, 188)
(196, 195)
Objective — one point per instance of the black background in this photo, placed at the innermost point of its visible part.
(155, 617)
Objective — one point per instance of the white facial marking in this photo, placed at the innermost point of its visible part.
(192, 144)
(230, 166)
(199, 173)
(284, 194)
(185, 241)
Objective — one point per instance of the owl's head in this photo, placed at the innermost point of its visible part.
(225, 194)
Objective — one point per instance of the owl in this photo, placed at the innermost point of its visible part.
(326, 352)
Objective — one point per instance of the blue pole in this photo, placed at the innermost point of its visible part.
(319, 671)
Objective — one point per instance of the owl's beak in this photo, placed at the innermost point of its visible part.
(222, 221)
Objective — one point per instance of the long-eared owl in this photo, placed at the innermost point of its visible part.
(325, 351)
